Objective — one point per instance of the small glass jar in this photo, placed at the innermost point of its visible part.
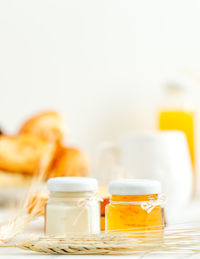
(72, 206)
(135, 205)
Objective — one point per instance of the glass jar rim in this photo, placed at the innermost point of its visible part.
(130, 198)
(134, 187)
(72, 194)
(72, 184)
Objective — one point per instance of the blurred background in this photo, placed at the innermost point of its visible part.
(103, 64)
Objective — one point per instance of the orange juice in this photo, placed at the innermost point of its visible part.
(180, 120)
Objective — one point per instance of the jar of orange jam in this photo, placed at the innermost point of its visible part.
(135, 205)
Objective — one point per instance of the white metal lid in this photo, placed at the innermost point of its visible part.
(134, 187)
(72, 184)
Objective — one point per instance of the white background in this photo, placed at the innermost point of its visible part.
(100, 62)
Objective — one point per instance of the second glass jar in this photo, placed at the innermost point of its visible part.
(135, 206)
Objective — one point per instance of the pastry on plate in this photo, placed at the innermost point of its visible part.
(48, 125)
(37, 150)
(25, 154)
(69, 161)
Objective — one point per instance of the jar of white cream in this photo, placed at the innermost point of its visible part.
(73, 206)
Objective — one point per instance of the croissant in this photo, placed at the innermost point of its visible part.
(69, 162)
(48, 125)
(25, 153)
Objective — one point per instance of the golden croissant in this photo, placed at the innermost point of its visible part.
(69, 161)
(47, 125)
(24, 153)
(40, 139)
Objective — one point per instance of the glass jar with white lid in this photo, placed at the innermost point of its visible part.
(135, 205)
(73, 206)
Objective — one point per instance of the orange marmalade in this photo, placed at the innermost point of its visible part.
(134, 206)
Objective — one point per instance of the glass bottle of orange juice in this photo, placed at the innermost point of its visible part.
(177, 114)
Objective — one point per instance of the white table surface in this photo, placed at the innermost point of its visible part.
(192, 214)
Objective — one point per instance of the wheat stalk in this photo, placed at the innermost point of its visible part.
(183, 240)
(26, 212)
